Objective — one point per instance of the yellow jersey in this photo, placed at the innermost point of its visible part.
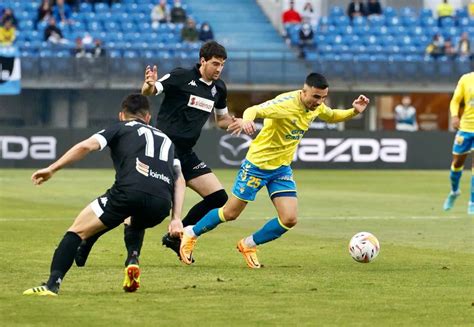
(286, 119)
(464, 92)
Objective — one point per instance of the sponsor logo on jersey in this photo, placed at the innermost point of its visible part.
(200, 103)
(159, 176)
(142, 168)
(192, 83)
(146, 171)
(200, 166)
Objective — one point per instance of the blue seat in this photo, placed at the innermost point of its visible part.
(101, 8)
(85, 7)
(393, 21)
(426, 12)
(359, 21)
(336, 11)
(463, 65)
(461, 13)
(118, 7)
(115, 53)
(428, 22)
(406, 11)
(376, 21)
(112, 27)
(389, 12)
(448, 22)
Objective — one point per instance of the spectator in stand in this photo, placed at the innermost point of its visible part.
(470, 8)
(405, 116)
(98, 51)
(87, 39)
(306, 39)
(449, 49)
(7, 34)
(44, 12)
(160, 14)
(355, 9)
(436, 48)
(205, 33)
(464, 45)
(79, 50)
(374, 8)
(53, 34)
(9, 16)
(444, 10)
(178, 14)
(309, 15)
(189, 33)
(62, 12)
(291, 16)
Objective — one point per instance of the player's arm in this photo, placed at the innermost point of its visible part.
(456, 102)
(76, 153)
(339, 115)
(175, 227)
(273, 109)
(151, 76)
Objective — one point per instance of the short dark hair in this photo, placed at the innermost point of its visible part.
(136, 105)
(317, 80)
(212, 49)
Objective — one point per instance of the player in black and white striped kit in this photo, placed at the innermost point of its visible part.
(148, 184)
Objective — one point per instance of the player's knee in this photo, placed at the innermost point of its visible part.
(216, 199)
(83, 234)
(231, 214)
(289, 221)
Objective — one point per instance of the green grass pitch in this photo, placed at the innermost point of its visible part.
(424, 275)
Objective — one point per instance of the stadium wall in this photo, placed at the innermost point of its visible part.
(36, 147)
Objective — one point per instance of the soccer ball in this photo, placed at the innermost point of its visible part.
(364, 247)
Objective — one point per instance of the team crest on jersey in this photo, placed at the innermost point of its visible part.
(214, 91)
(459, 139)
(200, 103)
(192, 83)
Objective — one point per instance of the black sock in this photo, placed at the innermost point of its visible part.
(212, 201)
(62, 260)
(133, 238)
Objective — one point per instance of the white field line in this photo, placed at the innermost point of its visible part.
(299, 218)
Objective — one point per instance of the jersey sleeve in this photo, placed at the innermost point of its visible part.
(221, 104)
(457, 98)
(275, 109)
(336, 115)
(170, 80)
(106, 136)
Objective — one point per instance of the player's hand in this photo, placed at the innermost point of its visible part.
(235, 126)
(41, 176)
(151, 75)
(360, 104)
(248, 127)
(455, 122)
(175, 228)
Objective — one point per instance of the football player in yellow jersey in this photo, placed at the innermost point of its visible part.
(286, 119)
(464, 140)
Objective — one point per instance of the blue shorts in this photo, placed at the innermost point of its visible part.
(463, 142)
(251, 179)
